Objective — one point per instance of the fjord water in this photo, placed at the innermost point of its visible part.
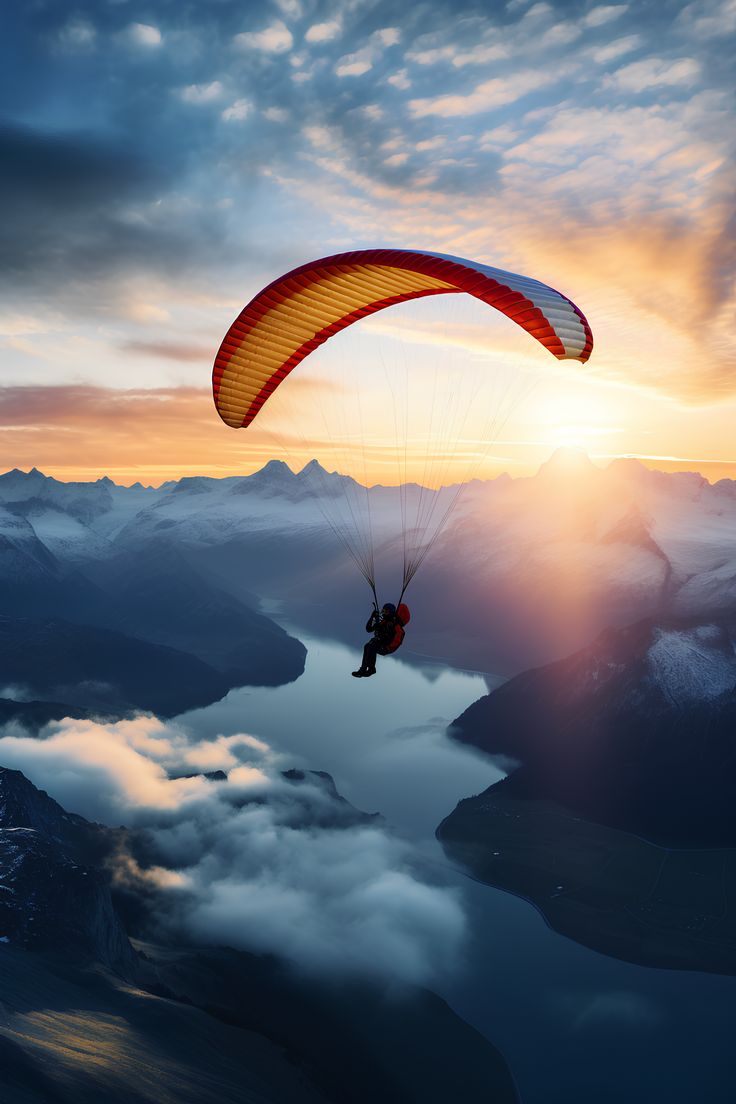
(573, 1024)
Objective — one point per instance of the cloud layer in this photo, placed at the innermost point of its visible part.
(262, 861)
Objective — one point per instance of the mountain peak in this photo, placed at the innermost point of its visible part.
(568, 465)
(568, 460)
(274, 478)
(18, 482)
(627, 465)
(315, 468)
(274, 467)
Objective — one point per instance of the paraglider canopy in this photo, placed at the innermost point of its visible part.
(295, 314)
(290, 318)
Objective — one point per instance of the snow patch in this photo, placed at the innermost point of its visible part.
(692, 665)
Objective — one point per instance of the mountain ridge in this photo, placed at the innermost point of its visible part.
(526, 571)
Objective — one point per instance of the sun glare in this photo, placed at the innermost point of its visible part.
(571, 418)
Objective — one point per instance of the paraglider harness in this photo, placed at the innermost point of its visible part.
(402, 617)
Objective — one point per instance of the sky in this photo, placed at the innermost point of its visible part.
(164, 161)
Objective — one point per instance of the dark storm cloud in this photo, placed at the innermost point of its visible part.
(53, 188)
(45, 171)
(81, 211)
(108, 168)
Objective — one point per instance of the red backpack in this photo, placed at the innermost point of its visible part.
(403, 617)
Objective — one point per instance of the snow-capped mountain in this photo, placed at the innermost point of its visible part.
(526, 571)
(23, 554)
(535, 568)
(74, 592)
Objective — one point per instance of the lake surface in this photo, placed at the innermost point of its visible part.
(575, 1026)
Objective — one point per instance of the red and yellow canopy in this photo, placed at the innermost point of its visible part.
(299, 311)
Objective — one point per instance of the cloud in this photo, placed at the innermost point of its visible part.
(63, 194)
(292, 9)
(561, 34)
(360, 62)
(491, 94)
(634, 135)
(237, 111)
(480, 55)
(167, 350)
(396, 159)
(115, 773)
(603, 14)
(355, 65)
(708, 19)
(431, 55)
(654, 72)
(622, 206)
(617, 48)
(400, 80)
(91, 218)
(151, 434)
(202, 93)
(499, 137)
(275, 39)
(481, 43)
(324, 32)
(387, 36)
(145, 35)
(79, 34)
(261, 862)
(104, 428)
(115, 224)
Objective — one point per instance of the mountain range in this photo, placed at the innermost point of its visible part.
(526, 571)
(92, 623)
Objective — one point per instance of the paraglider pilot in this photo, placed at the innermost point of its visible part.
(388, 635)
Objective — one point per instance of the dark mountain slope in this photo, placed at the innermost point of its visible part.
(200, 1026)
(624, 747)
(80, 1036)
(636, 731)
(159, 596)
(359, 1043)
(101, 670)
(36, 714)
(52, 893)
